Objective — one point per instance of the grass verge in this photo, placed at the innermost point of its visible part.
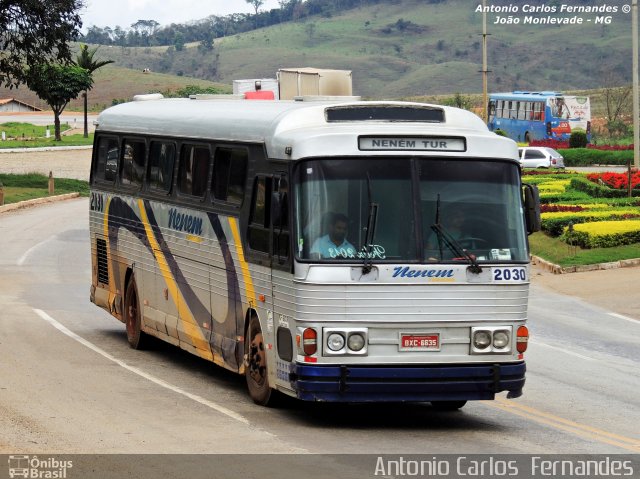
(33, 185)
(558, 252)
(70, 140)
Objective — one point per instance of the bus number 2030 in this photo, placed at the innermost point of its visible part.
(509, 274)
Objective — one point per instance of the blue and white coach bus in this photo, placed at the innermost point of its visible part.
(315, 246)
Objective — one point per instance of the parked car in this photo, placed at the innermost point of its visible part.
(540, 157)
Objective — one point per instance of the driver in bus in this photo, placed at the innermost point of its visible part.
(334, 244)
(455, 224)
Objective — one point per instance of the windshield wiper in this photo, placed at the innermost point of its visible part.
(371, 229)
(445, 237)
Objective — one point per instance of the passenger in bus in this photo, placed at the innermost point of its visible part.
(334, 244)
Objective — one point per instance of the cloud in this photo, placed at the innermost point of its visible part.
(111, 13)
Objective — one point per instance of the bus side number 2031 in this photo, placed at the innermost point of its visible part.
(509, 274)
(96, 202)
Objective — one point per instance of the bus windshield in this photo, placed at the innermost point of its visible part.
(387, 209)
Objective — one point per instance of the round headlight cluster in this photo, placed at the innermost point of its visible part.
(356, 342)
(335, 342)
(343, 342)
(500, 339)
(481, 339)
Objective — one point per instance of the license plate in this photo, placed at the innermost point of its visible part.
(419, 342)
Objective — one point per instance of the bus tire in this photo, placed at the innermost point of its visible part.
(448, 405)
(527, 137)
(255, 364)
(133, 320)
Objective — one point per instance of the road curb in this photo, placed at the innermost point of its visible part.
(37, 201)
(557, 269)
(45, 148)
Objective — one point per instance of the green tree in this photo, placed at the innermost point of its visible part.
(33, 31)
(57, 85)
(178, 42)
(86, 61)
(459, 101)
(256, 4)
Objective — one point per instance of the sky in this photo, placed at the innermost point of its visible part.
(110, 13)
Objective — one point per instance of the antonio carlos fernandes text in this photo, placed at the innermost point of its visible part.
(492, 467)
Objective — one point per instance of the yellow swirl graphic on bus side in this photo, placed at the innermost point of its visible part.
(244, 266)
(185, 316)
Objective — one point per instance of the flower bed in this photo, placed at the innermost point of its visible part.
(596, 214)
(618, 181)
(554, 223)
(553, 187)
(603, 234)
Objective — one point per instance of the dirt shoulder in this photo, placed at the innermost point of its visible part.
(613, 289)
(73, 164)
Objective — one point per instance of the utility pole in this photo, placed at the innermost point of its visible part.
(485, 115)
(636, 96)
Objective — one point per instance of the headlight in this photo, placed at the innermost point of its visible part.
(335, 342)
(355, 342)
(500, 339)
(491, 340)
(343, 341)
(481, 339)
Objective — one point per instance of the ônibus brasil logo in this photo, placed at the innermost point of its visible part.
(36, 468)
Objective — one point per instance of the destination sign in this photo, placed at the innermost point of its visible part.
(371, 143)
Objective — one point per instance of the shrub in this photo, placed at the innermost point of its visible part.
(587, 156)
(578, 139)
(500, 132)
(603, 234)
(564, 145)
(556, 223)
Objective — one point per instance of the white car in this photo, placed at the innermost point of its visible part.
(540, 157)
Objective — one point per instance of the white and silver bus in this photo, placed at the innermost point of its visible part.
(307, 244)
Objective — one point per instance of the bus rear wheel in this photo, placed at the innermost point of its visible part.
(527, 137)
(136, 337)
(255, 364)
(448, 405)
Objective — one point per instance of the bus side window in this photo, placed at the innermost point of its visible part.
(492, 109)
(280, 218)
(194, 170)
(162, 156)
(229, 175)
(258, 234)
(133, 158)
(107, 159)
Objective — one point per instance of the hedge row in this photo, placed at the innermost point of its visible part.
(556, 225)
(600, 191)
(587, 156)
(593, 236)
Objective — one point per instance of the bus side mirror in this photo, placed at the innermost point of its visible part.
(532, 208)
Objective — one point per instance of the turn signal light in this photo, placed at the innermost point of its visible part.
(309, 341)
(522, 340)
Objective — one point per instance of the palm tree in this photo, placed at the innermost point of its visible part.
(86, 61)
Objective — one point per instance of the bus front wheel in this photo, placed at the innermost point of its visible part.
(448, 405)
(255, 364)
(527, 137)
(136, 337)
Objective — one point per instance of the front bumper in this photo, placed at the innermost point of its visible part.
(407, 383)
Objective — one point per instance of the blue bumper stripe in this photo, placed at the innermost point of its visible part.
(433, 383)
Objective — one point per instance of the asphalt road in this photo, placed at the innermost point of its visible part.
(69, 383)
